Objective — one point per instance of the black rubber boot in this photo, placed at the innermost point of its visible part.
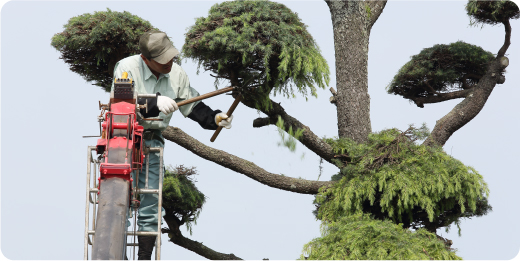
(146, 245)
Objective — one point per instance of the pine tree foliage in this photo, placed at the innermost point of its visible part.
(91, 44)
(258, 44)
(441, 69)
(288, 137)
(491, 12)
(391, 177)
(180, 195)
(361, 237)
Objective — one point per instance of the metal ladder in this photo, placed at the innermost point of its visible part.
(92, 190)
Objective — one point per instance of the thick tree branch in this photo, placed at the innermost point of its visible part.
(420, 101)
(466, 110)
(507, 40)
(242, 166)
(376, 8)
(177, 238)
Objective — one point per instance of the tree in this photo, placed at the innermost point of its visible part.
(92, 44)
(378, 162)
(366, 238)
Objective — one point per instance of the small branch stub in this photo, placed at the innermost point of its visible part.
(501, 79)
(261, 122)
(504, 62)
(332, 99)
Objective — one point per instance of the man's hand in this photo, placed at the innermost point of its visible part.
(223, 120)
(166, 105)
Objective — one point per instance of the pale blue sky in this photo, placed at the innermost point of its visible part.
(46, 109)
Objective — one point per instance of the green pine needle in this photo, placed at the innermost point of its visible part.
(393, 178)
(258, 44)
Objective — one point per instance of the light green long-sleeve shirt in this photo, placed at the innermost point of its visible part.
(175, 85)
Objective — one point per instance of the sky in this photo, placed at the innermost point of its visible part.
(46, 109)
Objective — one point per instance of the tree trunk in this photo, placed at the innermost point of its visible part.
(351, 24)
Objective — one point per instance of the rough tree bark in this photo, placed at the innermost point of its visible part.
(351, 23)
(475, 98)
(242, 166)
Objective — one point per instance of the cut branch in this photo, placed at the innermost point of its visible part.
(177, 238)
(332, 99)
(420, 101)
(242, 166)
(261, 122)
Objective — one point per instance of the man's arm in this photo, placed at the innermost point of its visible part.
(205, 116)
(201, 113)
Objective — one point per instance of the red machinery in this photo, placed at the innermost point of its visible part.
(121, 141)
(121, 151)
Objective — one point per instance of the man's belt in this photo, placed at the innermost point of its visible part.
(153, 135)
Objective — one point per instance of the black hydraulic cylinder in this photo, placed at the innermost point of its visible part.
(110, 234)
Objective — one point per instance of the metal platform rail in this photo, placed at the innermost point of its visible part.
(92, 199)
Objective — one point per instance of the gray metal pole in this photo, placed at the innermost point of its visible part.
(147, 165)
(148, 191)
(159, 217)
(145, 95)
(87, 203)
(95, 199)
(110, 237)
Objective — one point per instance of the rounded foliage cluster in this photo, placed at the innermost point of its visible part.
(440, 69)
(393, 178)
(492, 12)
(360, 237)
(92, 44)
(180, 195)
(257, 44)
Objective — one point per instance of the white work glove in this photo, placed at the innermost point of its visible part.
(166, 104)
(223, 120)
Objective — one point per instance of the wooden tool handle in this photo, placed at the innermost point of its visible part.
(205, 96)
(229, 112)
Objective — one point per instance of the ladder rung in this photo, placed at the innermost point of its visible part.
(148, 191)
(141, 191)
(143, 233)
(131, 233)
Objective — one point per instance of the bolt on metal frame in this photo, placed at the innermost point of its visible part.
(91, 198)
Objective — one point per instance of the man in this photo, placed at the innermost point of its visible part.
(154, 72)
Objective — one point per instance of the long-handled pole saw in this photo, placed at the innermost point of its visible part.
(199, 98)
(205, 96)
